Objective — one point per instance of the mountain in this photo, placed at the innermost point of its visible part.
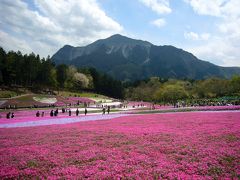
(129, 59)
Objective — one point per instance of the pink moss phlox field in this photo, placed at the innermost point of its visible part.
(193, 145)
(215, 108)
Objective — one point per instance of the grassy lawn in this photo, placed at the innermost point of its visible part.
(8, 94)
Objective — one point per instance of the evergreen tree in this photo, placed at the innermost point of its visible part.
(61, 74)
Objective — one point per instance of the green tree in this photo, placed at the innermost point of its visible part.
(235, 85)
(61, 74)
(211, 88)
(145, 90)
(171, 93)
(69, 83)
(47, 74)
(2, 66)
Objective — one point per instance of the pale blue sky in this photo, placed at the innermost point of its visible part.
(210, 29)
(136, 18)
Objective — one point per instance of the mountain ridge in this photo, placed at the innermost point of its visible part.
(129, 59)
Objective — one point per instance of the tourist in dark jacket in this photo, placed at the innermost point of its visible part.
(8, 115)
(37, 114)
(56, 112)
(77, 112)
(51, 113)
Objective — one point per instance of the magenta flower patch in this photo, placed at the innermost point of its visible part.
(193, 145)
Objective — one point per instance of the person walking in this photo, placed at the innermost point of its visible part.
(69, 112)
(8, 115)
(77, 112)
(103, 110)
(37, 114)
(55, 113)
(108, 109)
(51, 113)
(85, 112)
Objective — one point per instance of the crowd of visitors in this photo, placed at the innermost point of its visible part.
(54, 113)
(38, 114)
(104, 109)
(204, 103)
(10, 115)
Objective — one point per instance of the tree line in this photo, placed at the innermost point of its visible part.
(31, 71)
(156, 89)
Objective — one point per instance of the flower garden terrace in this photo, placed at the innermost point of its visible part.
(36, 100)
(45, 101)
(182, 145)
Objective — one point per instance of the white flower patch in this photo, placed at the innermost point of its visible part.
(101, 100)
(45, 100)
(2, 102)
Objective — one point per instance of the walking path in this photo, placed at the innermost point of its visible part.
(29, 121)
(61, 120)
